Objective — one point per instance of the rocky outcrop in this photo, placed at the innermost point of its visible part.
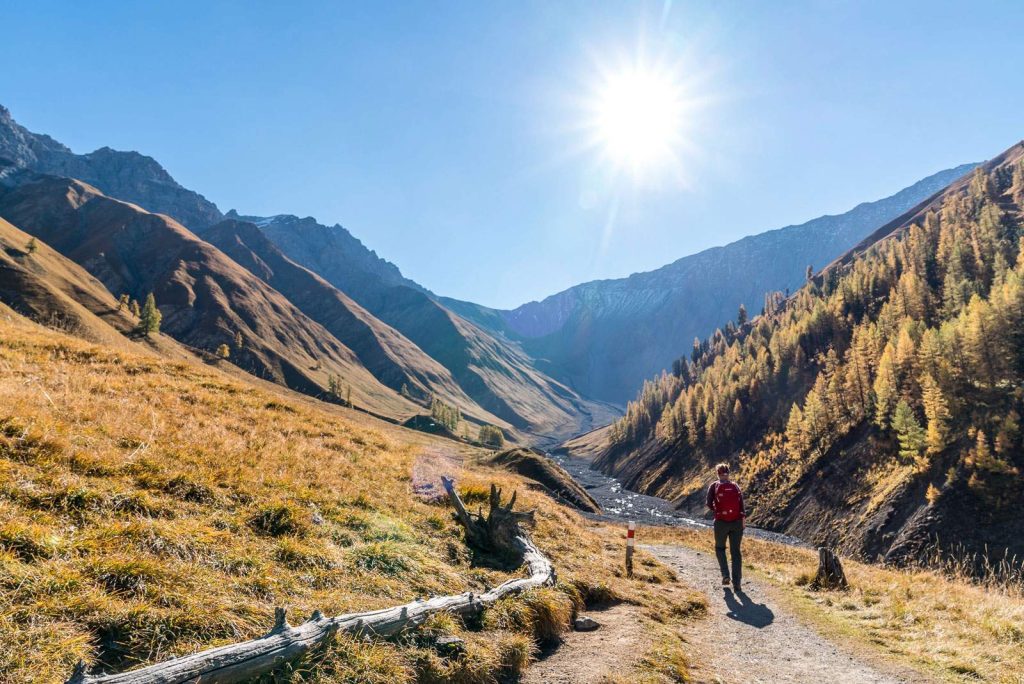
(128, 176)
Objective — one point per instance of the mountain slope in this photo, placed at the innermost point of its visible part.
(43, 285)
(877, 409)
(489, 378)
(206, 299)
(495, 372)
(604, 337)
(393, 359)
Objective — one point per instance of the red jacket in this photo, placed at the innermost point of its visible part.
(712, 491)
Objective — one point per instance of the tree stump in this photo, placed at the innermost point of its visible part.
(830, 571)
(499, 532)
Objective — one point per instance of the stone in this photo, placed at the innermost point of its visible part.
(450, 646)
(585, 624)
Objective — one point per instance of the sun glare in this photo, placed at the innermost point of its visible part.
(639, 118)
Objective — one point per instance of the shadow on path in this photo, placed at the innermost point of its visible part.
(746, 611)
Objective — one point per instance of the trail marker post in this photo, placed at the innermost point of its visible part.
(630, 540)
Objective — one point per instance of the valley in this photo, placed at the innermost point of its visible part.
(202, 421)
(875, 409)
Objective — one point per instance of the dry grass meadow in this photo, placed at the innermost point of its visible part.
(151, 508)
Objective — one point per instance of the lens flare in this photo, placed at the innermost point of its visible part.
(639, 117)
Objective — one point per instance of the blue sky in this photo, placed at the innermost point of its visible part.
(450, 136)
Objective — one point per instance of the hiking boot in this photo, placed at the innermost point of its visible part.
(726, 582)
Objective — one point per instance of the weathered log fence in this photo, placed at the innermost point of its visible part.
(236, 663)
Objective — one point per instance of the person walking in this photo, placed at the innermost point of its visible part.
(726, 501)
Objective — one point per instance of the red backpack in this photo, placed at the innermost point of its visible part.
(727, 502)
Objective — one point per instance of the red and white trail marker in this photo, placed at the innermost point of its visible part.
(630, 541)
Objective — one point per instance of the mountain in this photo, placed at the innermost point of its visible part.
(878, 409)
(495, 372)
(391, 357)
(206, 298)
(396, 328)
(604, 337)
(333, 252)
(128, 176)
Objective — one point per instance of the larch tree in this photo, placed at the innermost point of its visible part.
(886, 387)
(936, 411)
(150, 316)
(909, 432)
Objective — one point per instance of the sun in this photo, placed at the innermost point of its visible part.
(638, 117)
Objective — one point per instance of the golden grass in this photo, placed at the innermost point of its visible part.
(948, 627)
(151, 509)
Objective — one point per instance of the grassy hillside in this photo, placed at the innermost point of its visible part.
(150, 508)
(878, 409)
(390, 356)
(206, 298)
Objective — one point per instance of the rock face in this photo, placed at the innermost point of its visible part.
(333, 252)
(604, 338)
(128, 176)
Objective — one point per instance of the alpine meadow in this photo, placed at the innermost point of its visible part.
(532, 343)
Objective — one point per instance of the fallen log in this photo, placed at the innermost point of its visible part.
(242, 662)
(830, 573)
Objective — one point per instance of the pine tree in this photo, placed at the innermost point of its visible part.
(223, 351)
(348, 396)
(150, 316)
(239, 340)
(134, 307)
(122, 302)
(809, 275)
(741, 316)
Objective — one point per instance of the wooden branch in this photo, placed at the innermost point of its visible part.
(245, 661)
(830, 573)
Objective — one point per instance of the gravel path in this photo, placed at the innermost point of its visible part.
(746, 637)
(590, 657)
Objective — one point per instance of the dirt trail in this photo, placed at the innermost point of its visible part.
(749, 637)
(590, 657)
(746, 637)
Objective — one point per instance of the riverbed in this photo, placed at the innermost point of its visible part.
(621, 505)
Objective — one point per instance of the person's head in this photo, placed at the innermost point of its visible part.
(723, 471)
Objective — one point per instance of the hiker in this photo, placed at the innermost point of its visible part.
(726, 500)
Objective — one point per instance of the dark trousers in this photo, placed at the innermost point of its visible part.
(733, 531)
